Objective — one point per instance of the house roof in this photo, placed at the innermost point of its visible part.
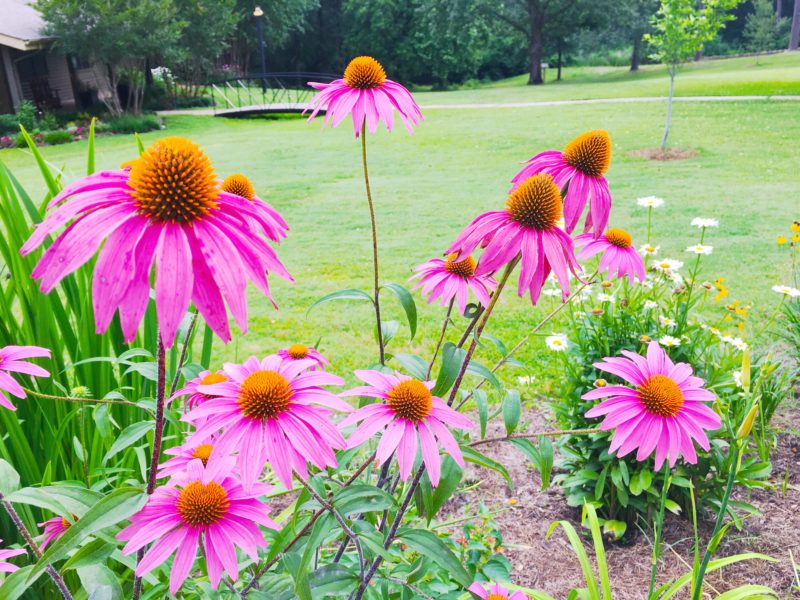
(21, 26)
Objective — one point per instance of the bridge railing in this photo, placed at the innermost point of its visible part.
(278, 91)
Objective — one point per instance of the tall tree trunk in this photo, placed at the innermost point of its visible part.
(673, 69)
(535, 41)
(637, 49)
(558, 75)
(794, 38)
(778, 12)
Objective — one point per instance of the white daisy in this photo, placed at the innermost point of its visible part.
(786, 290)
(605, 297)
(666, 321)
(649, 249)
(556, 342)
(650, 304)
(669, 341)
(700, 249)
(667, 265)
(552, 292)
(650, 202)
(737, 378)
(702, 223)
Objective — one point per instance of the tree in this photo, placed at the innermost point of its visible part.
(117, 36)
(681, 28)
(633, 19)
(794, 37)
(762, 31)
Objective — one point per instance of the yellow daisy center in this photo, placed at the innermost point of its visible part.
(203, 452)
(298, 351)
(364, 73)
(239, 185)
(464, 267)
(619, 237)
(536, 203)
(411, 400)
(590, 152)
(661, 396)
(203, 505)
(265, 395)
(173, 181)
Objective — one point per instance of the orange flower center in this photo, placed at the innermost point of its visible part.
(65, 523)
(265, 395)
(364, 73)
(411, 400)
(202, 505)
(496, 597)
(464, 267)
(239, 185)
(173, 181)
(203, 451)
(213, 378)
(536, 203)
(619, 237)
(298, 351)
(590, 152)
(661, 396)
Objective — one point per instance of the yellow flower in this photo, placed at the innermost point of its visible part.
(796, 237)
(781, 240)
(796, 226)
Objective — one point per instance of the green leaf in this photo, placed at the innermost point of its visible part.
(415, 365)
(541, 457)
(90, 148)
(60, 499)
(129, 436)
(361, 498)
(110, 510)
(408, 304)
(481, 371)
(348, 294)
(17, 583)
(669, 590)
(512, 407)
(333, 579)
(100, 583)
(479, 396)
(9, 478)
(448, 483)
(580, 552)
(321, 528)
(44, 168)
(749, 592)
(431, 546)
(452, 359)
(95, 552)
(473, 456)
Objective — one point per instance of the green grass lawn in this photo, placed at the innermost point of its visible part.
(459, 163)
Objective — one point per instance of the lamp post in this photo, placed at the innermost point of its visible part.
(259, 15)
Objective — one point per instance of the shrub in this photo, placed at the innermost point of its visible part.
(26, 115)
(9, 124)
(133, 124)
(56, 137)
(193, 101)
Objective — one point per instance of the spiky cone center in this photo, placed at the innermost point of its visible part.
(65, 522)
(410, 400)
(496, 597)
(203, 505)
(239, 185)
(590, 152)
(619, 237)
(536, 203)
(364, 73)
(265, 395)
(661, 396)
(464, 267)
(213, 378)
(203, 452)
(173, 182)
(298, 351)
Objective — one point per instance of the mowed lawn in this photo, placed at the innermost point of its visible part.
(429, 185)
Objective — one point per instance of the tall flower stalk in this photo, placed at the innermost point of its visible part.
(375, 271)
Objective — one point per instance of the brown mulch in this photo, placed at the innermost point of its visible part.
(668, 154)
(551, 566)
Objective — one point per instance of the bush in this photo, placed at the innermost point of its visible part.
(193, 101)
(132, 124)
(26, 115)
(9, 124)
(56, 137)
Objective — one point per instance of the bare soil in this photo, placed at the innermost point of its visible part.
(551, 566)
(668, 154)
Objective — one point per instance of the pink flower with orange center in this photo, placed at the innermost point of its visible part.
(5, 566)
(409, 417)
(580, 168)
(665, 411)
(619, 257)
(54, 528)
(12, 360)
(368, 95)
(303, 352)
(453, 277)
(495, 592)
(273, 411)
(167, 209)
(200, 505)
(528, 228)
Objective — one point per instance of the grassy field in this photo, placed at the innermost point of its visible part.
(459, 163)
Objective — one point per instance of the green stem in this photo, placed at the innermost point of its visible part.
(771, 320)
(441, 338)
(697, 583)
(376, 282)
(79, 400)
(659, 527)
